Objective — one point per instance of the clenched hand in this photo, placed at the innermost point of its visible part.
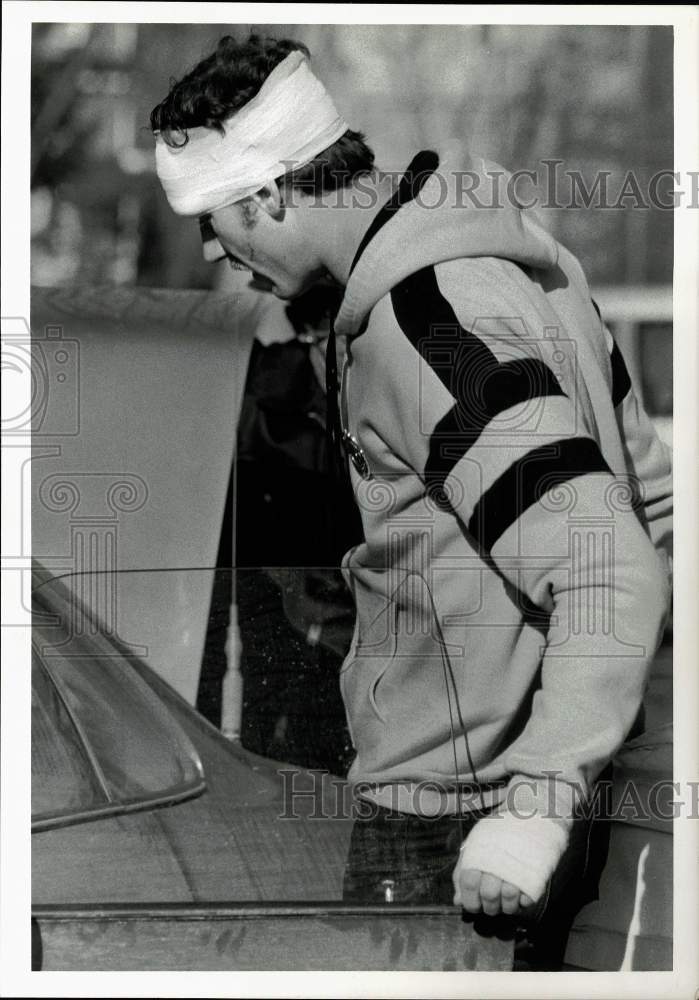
(476, 890)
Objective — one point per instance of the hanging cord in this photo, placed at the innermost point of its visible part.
(449, 676)
(340, 484)
(419, 170)
(449, 681)
(335, 459)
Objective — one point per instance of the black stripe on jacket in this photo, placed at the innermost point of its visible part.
(621, 381)
(527, 480)
(419, 170)
(482, 386)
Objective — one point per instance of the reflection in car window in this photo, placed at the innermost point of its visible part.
(62, 778)
(104, 741)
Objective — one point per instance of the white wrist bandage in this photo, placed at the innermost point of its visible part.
(525, 852)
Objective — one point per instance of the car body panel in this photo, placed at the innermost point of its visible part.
(630, 925)
(315, 938)
(138, 394)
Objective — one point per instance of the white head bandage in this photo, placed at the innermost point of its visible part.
(289, 121)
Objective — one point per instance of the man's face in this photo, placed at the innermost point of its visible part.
(269, 245)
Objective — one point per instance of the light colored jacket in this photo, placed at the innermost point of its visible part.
(513, 585)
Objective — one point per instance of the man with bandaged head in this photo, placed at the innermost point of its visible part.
(512, 584)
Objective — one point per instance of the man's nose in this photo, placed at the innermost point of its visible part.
(212, 250)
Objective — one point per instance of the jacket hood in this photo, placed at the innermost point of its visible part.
(462, 210)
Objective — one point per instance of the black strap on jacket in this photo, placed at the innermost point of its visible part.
(419, 169)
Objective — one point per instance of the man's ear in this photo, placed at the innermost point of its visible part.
(269, 198)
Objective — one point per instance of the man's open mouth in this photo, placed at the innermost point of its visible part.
(261, 283)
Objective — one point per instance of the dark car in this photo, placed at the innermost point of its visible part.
(159, 844)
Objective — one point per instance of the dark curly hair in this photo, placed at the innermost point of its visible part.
(222, 83)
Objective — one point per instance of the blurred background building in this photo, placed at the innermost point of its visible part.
(597, 98)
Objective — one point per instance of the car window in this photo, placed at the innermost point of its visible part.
(102, 742)
(62, 777)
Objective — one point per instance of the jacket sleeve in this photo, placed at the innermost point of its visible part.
(648, 458)
(504, 446)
